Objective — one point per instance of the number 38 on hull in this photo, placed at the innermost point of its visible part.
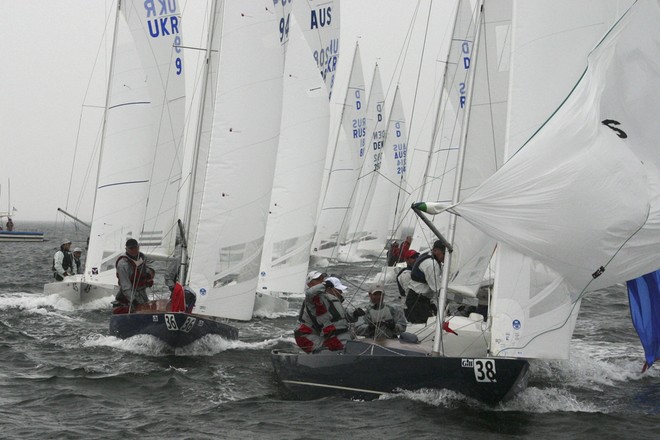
(366, 370)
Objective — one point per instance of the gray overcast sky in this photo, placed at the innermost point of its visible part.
(53, 76)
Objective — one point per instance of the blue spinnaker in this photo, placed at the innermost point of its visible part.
(644, 297)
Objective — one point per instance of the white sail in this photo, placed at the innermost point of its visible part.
(237, 153)
(319, 21)
(141, 161)
(386, 206)
(336, 208)
(369, 166)
(484, 131)
(299, 170)
(581, 202)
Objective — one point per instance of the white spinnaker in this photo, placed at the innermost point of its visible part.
(141, 162)
(238, 148)
(576, 197)
(299, 171)
(335, 213)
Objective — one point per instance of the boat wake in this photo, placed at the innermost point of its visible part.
(27, 301)
(35, 303)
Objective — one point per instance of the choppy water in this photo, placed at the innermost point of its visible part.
(62, 376)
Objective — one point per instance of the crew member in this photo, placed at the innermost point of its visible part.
(63, 262)
(134, 276)
(381, 320)
(425, 283)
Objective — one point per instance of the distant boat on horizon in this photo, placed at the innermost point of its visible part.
(9, 234)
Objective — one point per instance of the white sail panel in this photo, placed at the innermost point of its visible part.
(158, 31)
(140, 164)
(336, 208)
(385, 207)
(359, 235)
(237, 157)
(298, 172)
(319, 21)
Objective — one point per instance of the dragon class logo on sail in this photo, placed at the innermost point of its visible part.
(163, 21)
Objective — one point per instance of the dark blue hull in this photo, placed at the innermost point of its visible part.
(175, 329)
(365, 371)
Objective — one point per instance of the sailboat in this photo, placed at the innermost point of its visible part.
(575, 208)
(400, 365)
(141, 157)
(9, 234)
(232, 172)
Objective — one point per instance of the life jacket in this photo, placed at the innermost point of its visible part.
(323, 311)
(139, 280)
(416, 273)
(67, 261)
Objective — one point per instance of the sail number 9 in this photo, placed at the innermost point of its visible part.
(284, 28)
(484, 370)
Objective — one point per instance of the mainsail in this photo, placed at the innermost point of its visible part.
(141, 162)
(237, 148)
(299, 169)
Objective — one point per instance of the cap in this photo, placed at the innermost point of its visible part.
(377, 288)
(314, 275)
(410, 254)
(66, 241)
(77, 250)
(131, 243)
(336, 283)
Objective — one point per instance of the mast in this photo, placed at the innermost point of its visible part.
(451, 230)
(185, 256)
